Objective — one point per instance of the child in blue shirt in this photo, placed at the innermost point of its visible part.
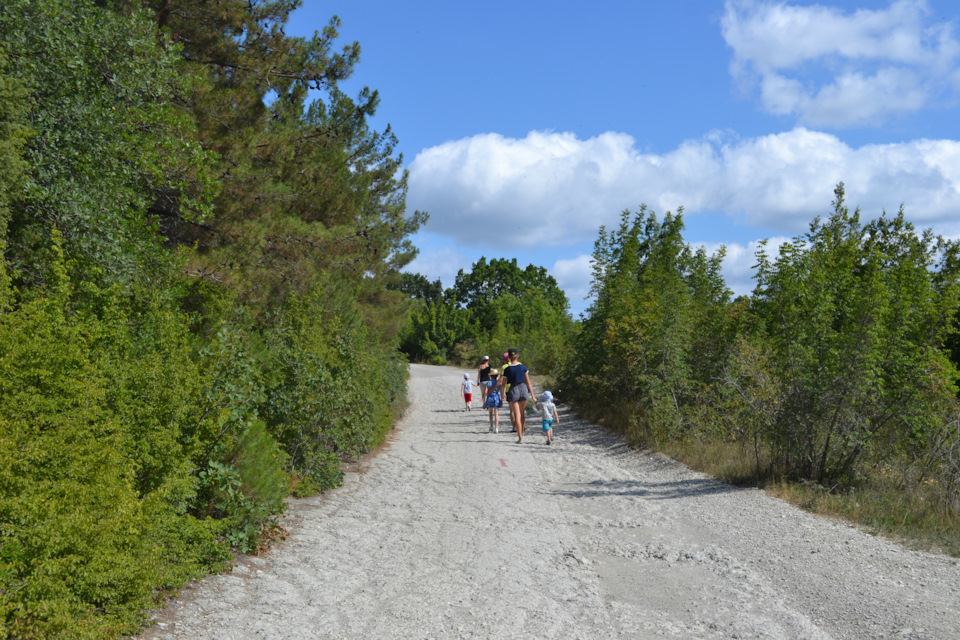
(493, 401)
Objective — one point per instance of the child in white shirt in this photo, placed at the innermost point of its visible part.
(549, 412)
(467, 388)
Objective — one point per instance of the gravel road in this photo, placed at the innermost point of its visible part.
(455, 532)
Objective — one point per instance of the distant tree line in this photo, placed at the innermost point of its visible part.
(494, 306)
(198, 229)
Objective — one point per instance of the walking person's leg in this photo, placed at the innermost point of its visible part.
(522, 419)
(515, 420)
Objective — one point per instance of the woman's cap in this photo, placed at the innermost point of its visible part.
(547, 396)
(512, 352)
(506, 356)
(486, 357)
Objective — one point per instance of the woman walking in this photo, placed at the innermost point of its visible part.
(521, 390)
(483, 376)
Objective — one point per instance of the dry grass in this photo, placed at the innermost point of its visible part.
(912, 515)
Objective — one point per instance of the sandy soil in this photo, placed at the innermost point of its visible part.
(456, 532)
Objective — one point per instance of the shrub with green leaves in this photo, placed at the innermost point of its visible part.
(838, 366)
(108, 137)
(656, 333)
(93, 509)
(332, 393)
(167, 374)
(855, 316)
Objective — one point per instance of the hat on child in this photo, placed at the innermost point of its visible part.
(494, 372)
(466, 376)
(547, 396)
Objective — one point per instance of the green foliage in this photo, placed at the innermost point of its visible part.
(93, 510)
(418, 287)
(142, 424)
(854, 315)
(494, 307)
(193, 311)
(836, 370)
(108, 138)
(540, 331)
(308, 188)
(13, 136)
(657, 331)
(330, 393)
(485, 282)
(434, 331)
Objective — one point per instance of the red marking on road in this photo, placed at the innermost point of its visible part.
(503, 462)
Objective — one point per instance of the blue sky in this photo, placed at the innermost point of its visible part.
(527, 125)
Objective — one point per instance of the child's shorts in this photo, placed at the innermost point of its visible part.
(547, 425)
(468, 397)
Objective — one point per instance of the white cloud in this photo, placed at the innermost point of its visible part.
(551, 189)
(490, 188)
(574, 276)
(440, 264)
(830, 68)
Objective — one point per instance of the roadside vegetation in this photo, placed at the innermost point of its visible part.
(834, 384)
(198, 230)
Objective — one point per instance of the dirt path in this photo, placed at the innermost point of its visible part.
(455, 532)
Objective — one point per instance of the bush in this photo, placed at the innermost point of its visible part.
(82, 550)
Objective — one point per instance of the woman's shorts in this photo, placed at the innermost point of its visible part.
(518, 392)
(547, 425)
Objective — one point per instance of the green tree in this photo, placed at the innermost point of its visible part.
(417, 286)
(308, 187)
(213, 360)
(656, 333)
(487, 281)
(435, 329)
(855, 316)
(108, 138)
(13, 136)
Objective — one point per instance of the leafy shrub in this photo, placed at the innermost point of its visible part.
(82, 551)
(332, 394)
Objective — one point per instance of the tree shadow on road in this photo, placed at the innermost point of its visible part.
(691, 488)
(579, 433)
